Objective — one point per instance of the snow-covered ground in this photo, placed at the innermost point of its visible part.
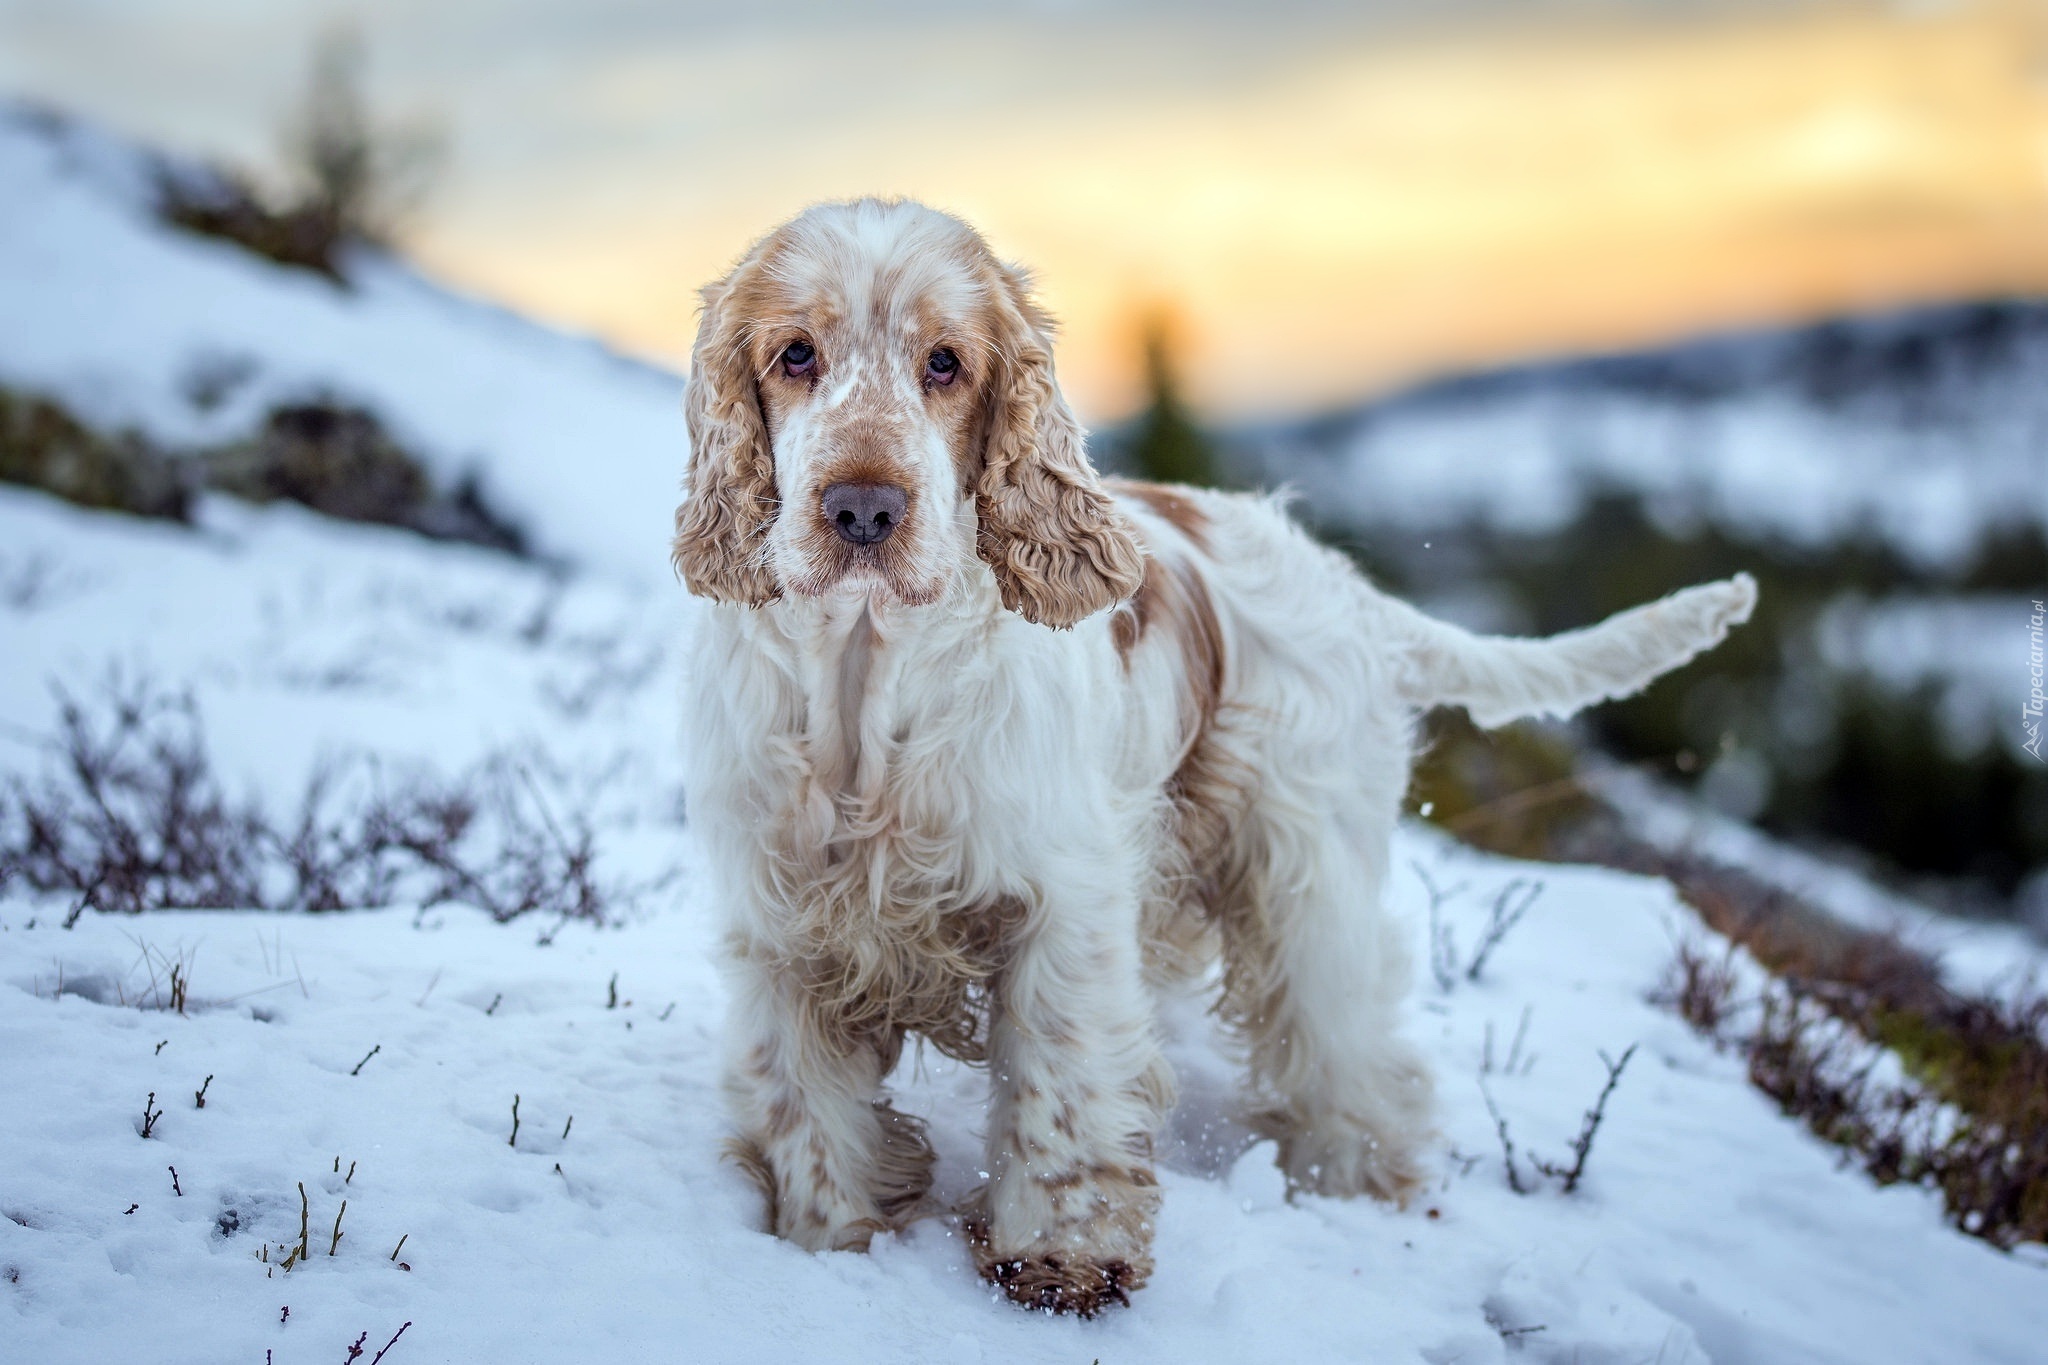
(1709, 1227)
(374, 1056)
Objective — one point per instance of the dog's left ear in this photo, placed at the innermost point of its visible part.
(1060, 549)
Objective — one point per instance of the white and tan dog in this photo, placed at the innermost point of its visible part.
(990, 750)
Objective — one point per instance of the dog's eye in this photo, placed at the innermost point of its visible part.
(798, 359)
(942, 366)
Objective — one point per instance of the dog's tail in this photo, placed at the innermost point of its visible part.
(1498, 679)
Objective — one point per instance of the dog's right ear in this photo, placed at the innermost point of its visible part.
(721, 543)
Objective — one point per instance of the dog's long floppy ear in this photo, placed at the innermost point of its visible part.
(721, 529)
(1060, 549)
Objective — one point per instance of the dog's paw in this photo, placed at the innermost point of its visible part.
(1055, 1282)
(1343, 1162)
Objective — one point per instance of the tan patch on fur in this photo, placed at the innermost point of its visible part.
(1129, 622)
(753, 1163)
(902, 1177)
(1208, 792)
(1171, 505)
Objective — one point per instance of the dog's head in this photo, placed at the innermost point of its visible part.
(871, 406)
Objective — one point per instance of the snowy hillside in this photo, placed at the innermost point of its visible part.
(190, 341)
(1926, 427)
(522, 1118)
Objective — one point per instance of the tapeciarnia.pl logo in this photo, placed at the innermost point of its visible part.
(2030, 714)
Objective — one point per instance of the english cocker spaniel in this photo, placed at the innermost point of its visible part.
(992, 750)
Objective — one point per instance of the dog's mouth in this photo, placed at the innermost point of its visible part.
(883, 567)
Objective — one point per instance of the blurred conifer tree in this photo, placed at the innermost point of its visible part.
(1166, 443)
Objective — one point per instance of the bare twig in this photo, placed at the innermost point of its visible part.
(1507, 1144)
(1507, 910)
(391, 1343)
(302, 1251)
(357, 1349)
(496, 1000)
(1443, 950)
(567, 1126)
(150, 1114)
(199, 1095)
(357, 1069)
(175, 1187)
(400, 1247)
(513, 1141)
(1515, 1048)
(1582, 1145)
(335, 1241)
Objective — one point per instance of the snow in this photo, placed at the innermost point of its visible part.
(374, 1056)
(1708, 1226)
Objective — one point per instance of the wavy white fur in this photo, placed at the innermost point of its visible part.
(1065, 745)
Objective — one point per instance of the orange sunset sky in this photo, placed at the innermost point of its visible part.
(1327, 205)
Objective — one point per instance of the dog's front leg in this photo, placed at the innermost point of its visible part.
(836, 1163)
(1079, 1085)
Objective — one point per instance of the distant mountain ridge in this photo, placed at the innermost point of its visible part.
(1928, 425)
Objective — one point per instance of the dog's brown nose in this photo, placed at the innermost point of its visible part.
(865, 513)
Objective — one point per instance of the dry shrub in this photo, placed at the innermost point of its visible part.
(1700, 985)
(131, 817)
(44, 446)
(319, 451)
(341, 461)
(224, 204)
(350, 177)
(1969, 1115)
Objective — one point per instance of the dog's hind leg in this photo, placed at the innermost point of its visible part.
(1315, 972)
